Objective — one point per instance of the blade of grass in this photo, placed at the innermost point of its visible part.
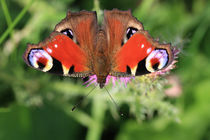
(6, 15)
(200, 33)
(6, 12)
(17, 19)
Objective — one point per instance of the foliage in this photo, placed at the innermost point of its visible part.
(35, 105)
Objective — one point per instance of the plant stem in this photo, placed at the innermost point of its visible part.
(98, 113)
(97, 8)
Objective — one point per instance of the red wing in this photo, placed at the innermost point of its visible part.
(67, 52)
(68, 49)
(57, 55)
(132, 51)
(141, 55)
(135, 50)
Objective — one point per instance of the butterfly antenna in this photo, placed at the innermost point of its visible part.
(118, 109)
(80, 101)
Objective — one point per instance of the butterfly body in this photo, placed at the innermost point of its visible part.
(79, 47)
(101, 67)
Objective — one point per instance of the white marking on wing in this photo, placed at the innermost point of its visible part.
(149, 50)
(49, 50)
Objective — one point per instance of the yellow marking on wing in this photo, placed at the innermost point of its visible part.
(48, 65)
(133, 70)
(65, 70)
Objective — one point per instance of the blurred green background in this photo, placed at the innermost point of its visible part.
(36, 105)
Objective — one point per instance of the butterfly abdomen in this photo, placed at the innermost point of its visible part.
(101, 69)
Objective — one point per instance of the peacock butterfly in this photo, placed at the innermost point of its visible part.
(79, 47)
